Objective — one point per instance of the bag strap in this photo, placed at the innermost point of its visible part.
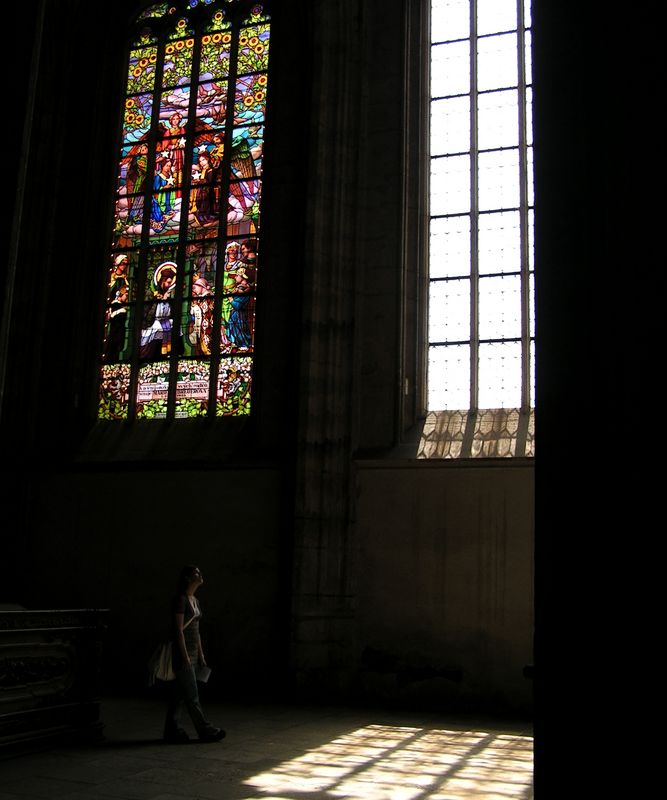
(195, 608)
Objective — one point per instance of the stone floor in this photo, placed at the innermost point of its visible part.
(283, 753)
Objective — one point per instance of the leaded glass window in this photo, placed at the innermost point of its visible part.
(186, 241)
(481, 319)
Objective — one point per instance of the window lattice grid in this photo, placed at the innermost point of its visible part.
(481, 207)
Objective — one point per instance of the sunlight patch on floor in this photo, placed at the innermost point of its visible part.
(383, 762)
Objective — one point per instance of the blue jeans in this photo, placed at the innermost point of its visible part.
(184, 692)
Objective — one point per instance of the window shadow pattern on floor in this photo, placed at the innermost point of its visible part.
(384, 762)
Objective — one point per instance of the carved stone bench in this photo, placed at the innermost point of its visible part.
(50, 667)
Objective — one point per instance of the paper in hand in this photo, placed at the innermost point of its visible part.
(203, 673)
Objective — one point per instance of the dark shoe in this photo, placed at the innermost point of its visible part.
(214, 735)
(177, 737)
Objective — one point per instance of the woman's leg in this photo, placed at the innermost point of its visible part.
(173, 729)
(188, 682)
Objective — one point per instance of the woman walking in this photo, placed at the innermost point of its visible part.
(187, 659)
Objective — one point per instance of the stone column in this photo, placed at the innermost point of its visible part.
(323, 591)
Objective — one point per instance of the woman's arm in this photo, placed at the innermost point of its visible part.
(180, 639)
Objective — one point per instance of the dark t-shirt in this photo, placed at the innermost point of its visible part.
(191, 615)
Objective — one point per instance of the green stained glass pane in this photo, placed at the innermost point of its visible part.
(253, 49)
(162, 263)
(247, 151)
(178, 62)
(182, 28)
(217, 23)
(137, 118)
(215, 51)
(257, 14)
(158, 10)
(233, 387)
(141, 70)
(153, 390)
(114, 392)
(192, 388)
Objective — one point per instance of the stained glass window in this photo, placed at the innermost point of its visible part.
(481, 319)
(186, 242)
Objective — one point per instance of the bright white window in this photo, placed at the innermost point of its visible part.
(481, 300)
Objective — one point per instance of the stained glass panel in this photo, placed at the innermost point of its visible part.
(141, 70)
(234, 387)
(153, 391)
(114, 392)
(215, 56)
(250, 105)
(179, 330)
(253, 49)
(192, 390)
(138, 117)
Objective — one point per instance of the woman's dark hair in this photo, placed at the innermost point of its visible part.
(185, 577)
